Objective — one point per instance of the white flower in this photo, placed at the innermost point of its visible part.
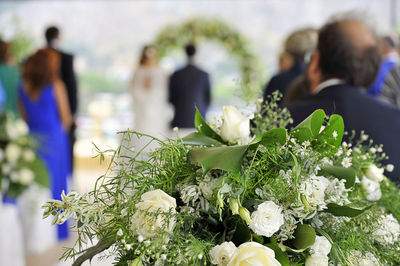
(356, 149)
(13, 152)
(339, 152)
(364, 137)
(206, 187)
(190, 193)
(235, 127)
(314, 188)
(26, 176)
(337, 192)
(389, 230)
(16, 129)
(372, 150)
(120, 232)
(252, 253)
(156, 201)
(321, 246)
(163, 256)
(28, 155)
(222, 254)
(390, 167)
(267, 219)
(344, 144)
(317, 260)
(374, 173)
(346, 162)
(335, 134)
(140, 238)
(373, 189)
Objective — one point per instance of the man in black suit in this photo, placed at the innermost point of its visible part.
(67, 75)
(347, 59)
(189, 87)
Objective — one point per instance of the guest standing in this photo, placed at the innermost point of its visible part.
(347, 59)
(298, 46)
(189, 87)
(390, 60)
(43, 103)
(9, 77)
(150, 96)
(67, 75)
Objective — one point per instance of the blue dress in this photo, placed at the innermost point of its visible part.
(45, 125)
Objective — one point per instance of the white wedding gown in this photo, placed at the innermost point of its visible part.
(152, 112)
(150, 101)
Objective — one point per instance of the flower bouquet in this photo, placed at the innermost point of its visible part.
(223, 197)
(19, 165)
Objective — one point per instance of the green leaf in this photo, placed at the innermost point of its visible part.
(281, 256)
(310, 127)
(202, 126)
(273, 136)
(41, 175)
(349, 174)
(200, 139)
(338, 210)
(335, 123)
(242, 233)
(227, 158)
(304, 236)
(258, 239)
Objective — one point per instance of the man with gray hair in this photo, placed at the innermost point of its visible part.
(346, 60)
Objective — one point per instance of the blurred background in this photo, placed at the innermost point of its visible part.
(106, 38)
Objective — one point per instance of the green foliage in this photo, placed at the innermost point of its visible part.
(346, 211)
(270, 115)
(196, 30)
(304, 236)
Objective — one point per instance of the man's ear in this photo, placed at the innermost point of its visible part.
(314, 72)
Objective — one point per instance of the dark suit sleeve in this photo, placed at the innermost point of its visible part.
(207, 90)
(171, 89)
(268, 89)
(68, 76)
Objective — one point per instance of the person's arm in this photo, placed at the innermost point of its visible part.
(21, 110)
(62, 104)
(171, 89)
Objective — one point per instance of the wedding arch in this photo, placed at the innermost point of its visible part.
(197, 30)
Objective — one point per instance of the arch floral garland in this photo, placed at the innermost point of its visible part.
(197, 30)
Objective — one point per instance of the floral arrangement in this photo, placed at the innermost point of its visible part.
(223, 197)
(19, 165)
(197, 30)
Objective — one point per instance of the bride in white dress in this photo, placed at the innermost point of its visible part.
(150, 96)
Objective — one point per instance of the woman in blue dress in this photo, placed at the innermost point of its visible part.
(43, 103)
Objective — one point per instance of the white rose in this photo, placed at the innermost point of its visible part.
(21, 127)
(374, 173)
(26, 176)
(156, 201)
(267, 219)
(28, 155)
(372, 188)
(222, 254)
(252, 253)
(321, 246)
(13, 152)
(314, 188)
(16, 128)
(317, 260)
(389, 230)
(235, 127)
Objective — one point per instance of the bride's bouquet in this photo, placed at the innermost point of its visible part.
(19, 165)
(224, 197)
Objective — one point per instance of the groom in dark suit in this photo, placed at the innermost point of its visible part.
(189, 87)
(347, 59)
(67, 75)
